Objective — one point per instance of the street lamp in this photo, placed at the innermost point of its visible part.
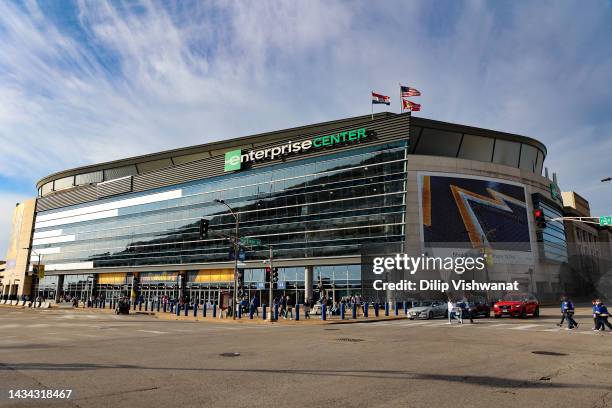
(236, 249)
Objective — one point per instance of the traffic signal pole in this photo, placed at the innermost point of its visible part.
(270, 300)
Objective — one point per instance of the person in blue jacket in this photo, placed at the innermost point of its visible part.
(601, 313)
(567, 311)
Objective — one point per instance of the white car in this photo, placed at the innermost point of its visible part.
(427, 309)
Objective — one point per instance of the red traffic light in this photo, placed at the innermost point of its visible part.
(538, 213)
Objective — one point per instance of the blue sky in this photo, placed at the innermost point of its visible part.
(89, 81)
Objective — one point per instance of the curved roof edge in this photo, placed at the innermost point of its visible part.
(214, 148)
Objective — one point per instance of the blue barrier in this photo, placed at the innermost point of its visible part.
(263, 311)
(195, 309)
(158, 304)
(275, 311)
(204, 310)
(376, 306)
(323, 312)
(297, 311)
(178, 310)
(354, 311)
(341, 311)
(396, 308)
(239, 312)
(146, 305)
(366, 309)
(406, 308)
(186, 309)
(215, 310)
(386, 308)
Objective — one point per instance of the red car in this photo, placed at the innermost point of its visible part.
(518, 304)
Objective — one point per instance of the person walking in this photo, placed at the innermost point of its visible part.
(602, 315)
(451, 310)
(567, 311)
(595, 315)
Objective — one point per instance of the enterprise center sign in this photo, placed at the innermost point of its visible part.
(235, 158)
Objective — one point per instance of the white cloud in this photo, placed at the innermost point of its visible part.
(120, 79)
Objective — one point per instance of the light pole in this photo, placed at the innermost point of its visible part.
(236, 249)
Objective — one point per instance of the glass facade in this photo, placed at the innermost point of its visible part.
(317, 207)
(553, 244)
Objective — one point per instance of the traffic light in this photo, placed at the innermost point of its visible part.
(268, 274)
(274, 275)
(540, 220)
(204, 228)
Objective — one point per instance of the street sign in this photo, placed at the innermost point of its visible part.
(250, 241)
(261, 285)
(605, 221)
(281, 285)
(39, 270)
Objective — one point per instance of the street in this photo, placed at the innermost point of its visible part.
(140, 361)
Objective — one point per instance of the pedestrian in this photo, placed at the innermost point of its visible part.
(254, 306)
(602, 315)
(451, 310)
(283, 307)
(466, 310)
(595, 317)
(567, 310)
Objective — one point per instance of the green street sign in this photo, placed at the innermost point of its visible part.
(605, 221)
(250, 241)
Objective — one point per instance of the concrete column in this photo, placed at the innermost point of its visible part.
(308, 282)
(59, 288)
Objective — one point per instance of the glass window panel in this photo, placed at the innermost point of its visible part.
(88, 178)
(47, 188)
(63, 183)
(539, 162)
(529, 155)
(438, 143)
(506, 152)
(119, 172)
(476, 148)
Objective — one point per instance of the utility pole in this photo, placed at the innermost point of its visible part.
(236, 249)
(270, 300)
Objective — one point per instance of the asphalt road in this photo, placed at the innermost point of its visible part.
(140, 361)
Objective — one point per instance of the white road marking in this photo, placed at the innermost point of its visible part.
(153, 331)
(525, 327)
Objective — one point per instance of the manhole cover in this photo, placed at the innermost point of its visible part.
(548, 353)
(229, 354)
(350, 340)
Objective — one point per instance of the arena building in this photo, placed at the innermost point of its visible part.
(316, 196)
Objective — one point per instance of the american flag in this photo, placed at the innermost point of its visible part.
(378, 98)
(408, 91)
(410, 106)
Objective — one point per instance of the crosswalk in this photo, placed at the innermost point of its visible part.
(544, 327)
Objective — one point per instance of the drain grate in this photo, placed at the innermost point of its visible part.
(229, 354)
(350, 340)
(548, 353)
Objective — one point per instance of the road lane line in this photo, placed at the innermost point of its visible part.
(525, 327)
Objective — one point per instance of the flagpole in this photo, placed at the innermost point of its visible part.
(400, 98)
(372, 104)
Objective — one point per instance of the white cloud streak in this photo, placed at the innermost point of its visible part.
(115, 80)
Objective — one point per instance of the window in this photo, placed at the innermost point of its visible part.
(438, 143)
(153, 165)
(119, 172)
(506, 153)
(63, 183)
(476, 148)
(46, 188)
(539, 162)
(529, 155)
(88, 178)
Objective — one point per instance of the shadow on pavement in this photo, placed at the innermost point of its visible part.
(487, 381)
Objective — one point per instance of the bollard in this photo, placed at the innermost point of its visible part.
(297, 311)
(395, 308)
(275, 311)
(386, 308)
(405, 308)
(366, 309)
(251, 311)
(215, 310)
(354, 310)
(195, 309)
(323, 312)
(239, 312)
(204, 310)
(140, 305)
(263, 311)
(341, 311)
(186, 309)
(158, 306)
(146, 305)
(178, 310)
(376, 306)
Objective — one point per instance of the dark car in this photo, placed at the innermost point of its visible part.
(517, 305)
(480, 308)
